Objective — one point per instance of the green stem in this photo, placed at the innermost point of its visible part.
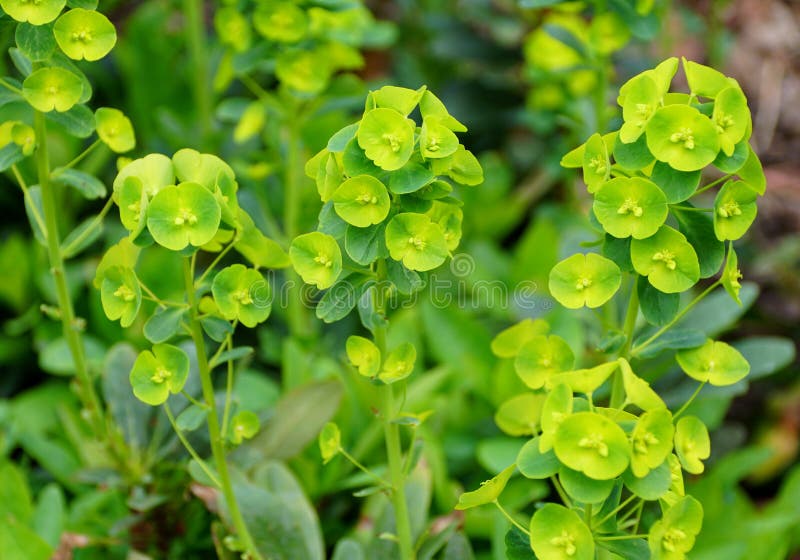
(188, 446)
(511, 520)
(616, 510)
(682, 409)
(364, 469)
(27, 195)
(215, 437)
(621, 537)
(618, 387)
(226, 412)
(216, 260)
(711, 185)
(561, 493)
(587, 515)
(675, 320)
(98, 220)
(82, 155)
(392, 434)
(196, 40)
(10, 87)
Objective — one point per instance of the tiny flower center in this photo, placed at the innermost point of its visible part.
(643, 111)
(323, 260)
(583, 283)
(684, 135)
(125, 293)
(729, 209)
(599, 164)
(417, 243)
(594, 441)
(82, 36)
(160, 375)
(643, 441)
(367, 198)
(546, 361)
(735, 278)
(667, 257)
(243, 297)
(185, 217)
(52, 90)
(393, 141)
(433, 144)
(565, 541)
(136, 208)
(672, 538)
(630, 206)
(724, 121)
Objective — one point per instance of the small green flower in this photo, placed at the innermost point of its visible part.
(556, 408)
(558, 533)
(542, 357)
(462, 167)
(49, 89)
(520, 415)
(416, 241)
(85, 34)
(431, 106)
(704, 81)
(232, 28)
(641, 101)
(21, 134)
(651, 441)
(330, 442)
(592, 444)
(731, 275)
(672, 536)
(251, 123)
(589, 280)
(509, 342)
(399, 363)
(34, 12)
(652, 486)
(683, 137)
(183, 215)
(121, 294)
(735, 210)
(489, 491)
(587, 380)
(638, 391)
(731, 117)
(204, 169)
(282, 22)
(403, 100)
(596, 163)
(364, 355)
(244, 425)
(304, 71)
(317, 259)
(115, 130)
(158, 373)
(154, 171)
(667, 259)
(242, 293)
(362, 201)
(449, 218)
(436, 140)
(692, 444)
(387, 138)
(661, 75)
(715, 362)
(630, 207)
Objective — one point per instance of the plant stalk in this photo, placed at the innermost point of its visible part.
(214, 434)
(198, 53)
(617, 386)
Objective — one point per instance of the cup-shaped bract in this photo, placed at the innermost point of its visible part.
(638, 391)
(449, 218)
(330, 442)
(35, 13)
(387, 137)
(683, 137)
(735, 210)
(307, 72)
(667, 259)
(586, 380)
(120, 294)
(282, 22)
(592, 444)
(416, 241)
(542, 357)
(361, 201)
(317, 258)
(399, 363)
(204, 169)
(158, 373)
(584, 279)
(651, 441)
(242, 293)
(244, 425)
(489, 491)
(22, 135)
(232, 28)
(557, 406)
(731, 276)
(596, 163)
(520, 415)
(183, 215)
(692, 444)
(436, 140)
(630, 207)
(731, 117)
(509, 342)
(641, 101)
(705, 81)
(364, 355)
(462, 167)
(85, 34)
(115, 129)
(154, 171)
(52, 88)
(432, 106)
(558, 533)
(714, 362)
(672, 536)
(403, 100)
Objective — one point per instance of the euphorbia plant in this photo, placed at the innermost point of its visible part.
(187, 205)
(54, 91)
(598, 430)
(388, 218)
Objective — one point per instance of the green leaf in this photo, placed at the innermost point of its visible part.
(509, 342)
(18, 541)
(403, 100)
(85, 34)
(488, 492)
(588, 279)
(50, 516)
(406, 281)
(15, 496)
(674, 534)
(734, 162)
(519, 415)
(734, 210)
(244, 425)
(191, 418)
(752, 173)
(342, 297)
(115, 129)
(387, 138)
(158, 373)
(558, 533)
(692, 444)
(35, 13)
(9, 155)
(236, 353)
(78, 121)
(592, 444)
(638, 391)
(399, 363)
(216, 328)
(715, 362)
(583, 489)
(676, 185)
(84, 235)
(657, 307)
(416, 241)
(542, 357)
(431, 106)
(257, 248)
(619, 251)
(338, 142)
(673, 339)
(355, 162)
(651, 443)
(682, 137)
(164, 324)
(120, 294)
(630, 207)
(699, 231)
(348, 549)
(35, 41)
(536, 464)
(361, 201)
(667, 259)
(88, 185)
(652, 486)
(49, 89)
(596, 163)
(317, 259)
(364, 355)
(436, 140)
(330, 442)
(766, 354)
(634, 155)
(242, 294)
(366, 245)
(410, 178)
(186, 214)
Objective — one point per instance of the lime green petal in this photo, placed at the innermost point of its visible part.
(193, 167)
(682, 137)
(488, 492)
(49, 89)
(283, 22)
(596, 163)
(416, 241)
(735, 210)
(519, 415)
(667, 259)
(556, 408)
(364, 355)
(387, 138)
(317, 259)
(588, 279)
(120, 294)
(436, 140)
(403, 100)
(630, 207)
(692, 444)
(330, 442)
(362, 201)
(592, 444)
(183, 215)
(715, 362)
(115, 130)
(399, 363)
(558, 533)
(85, 34)
(731, 117)
(242, 293)
(651, 441)
(35, 13)
(509, 342)
(154, 171)
(541, 357)
(731, 276)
